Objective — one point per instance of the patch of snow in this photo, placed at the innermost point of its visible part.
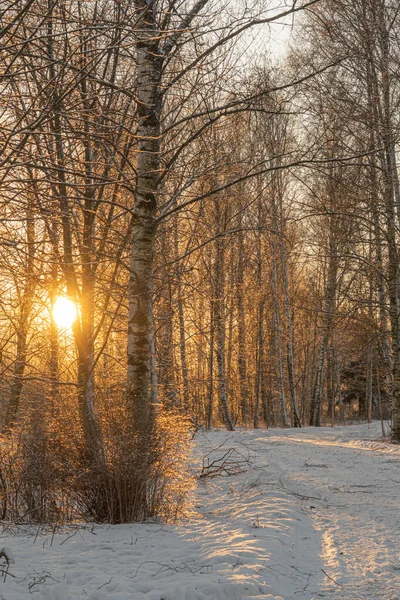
(313, 514)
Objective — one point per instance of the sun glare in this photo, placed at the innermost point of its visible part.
(64, 313)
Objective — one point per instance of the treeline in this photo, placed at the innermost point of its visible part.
(226, 226)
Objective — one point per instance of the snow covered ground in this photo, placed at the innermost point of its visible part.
(314, 514)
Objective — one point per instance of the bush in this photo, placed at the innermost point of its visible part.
(46, 476)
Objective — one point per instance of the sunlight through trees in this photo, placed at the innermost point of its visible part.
(194, 233)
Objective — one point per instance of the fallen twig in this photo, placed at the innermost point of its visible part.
(331, 578)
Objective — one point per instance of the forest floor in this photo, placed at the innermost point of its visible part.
(315, 513)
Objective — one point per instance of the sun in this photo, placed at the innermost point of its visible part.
(64, 312)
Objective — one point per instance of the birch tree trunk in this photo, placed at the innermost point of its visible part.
(381, 111)
(329, 304)
(339, 386)
(393, 282)
(210, 394)
(384, 339)
(261, 387)
(290, 337)
(374, 118)
(330, 384)
(182, 328)
(242, 345)
(278, 343)
(219, 320)
(140, 317)
(392, 210)
(369, 384)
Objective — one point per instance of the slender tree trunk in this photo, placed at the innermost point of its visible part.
(257, 385)
(393, 286)
(230, 390)
(54, 363)
(242, 342)
(23, 324)
(381, 111)
(279, 253)
(182, 327)
(278, 344)
(330, 384)
(17, 379)
(210, 404)
(219, 319)
(339, 386)
(260, 316)
(369, 384)
(182, 349)
(267, 410)
(165, 353)
(290, 336)
(374, 117)
(329, 307)
(269, 415)
(54, 343)
(384, 339)
(393, 280)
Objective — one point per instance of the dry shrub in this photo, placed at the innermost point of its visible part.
(35, 474)
(140, 477)
(47, 476)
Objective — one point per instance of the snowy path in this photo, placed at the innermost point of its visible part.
(317, 515)
(355, 507)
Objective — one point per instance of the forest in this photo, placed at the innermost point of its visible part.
(199, 228)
